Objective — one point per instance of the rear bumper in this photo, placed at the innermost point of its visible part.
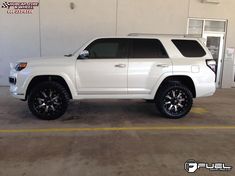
(205, 89)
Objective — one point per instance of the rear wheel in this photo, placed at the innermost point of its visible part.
(174, 100)
(48, 100)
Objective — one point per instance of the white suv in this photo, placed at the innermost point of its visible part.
(169, 70)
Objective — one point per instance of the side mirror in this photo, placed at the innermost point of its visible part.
(84, 54)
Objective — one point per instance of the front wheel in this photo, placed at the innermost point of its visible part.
(48, 100)
(174, 101)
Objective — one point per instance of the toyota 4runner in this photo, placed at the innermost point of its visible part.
(169, 70)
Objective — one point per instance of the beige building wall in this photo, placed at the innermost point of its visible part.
(152, 16)
(19, 38)
(56, 29)
(63, 29)
(224, 10)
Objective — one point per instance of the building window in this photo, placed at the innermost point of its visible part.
(195, 27)
(215, 26)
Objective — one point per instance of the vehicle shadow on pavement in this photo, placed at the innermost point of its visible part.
(117, 110)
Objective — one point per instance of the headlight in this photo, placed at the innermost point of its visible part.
(20, 66)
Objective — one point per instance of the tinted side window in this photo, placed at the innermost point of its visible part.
(189, 48)
(147, 48)
(108, 48)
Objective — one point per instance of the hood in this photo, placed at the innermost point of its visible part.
(45, 61)
(36, 59)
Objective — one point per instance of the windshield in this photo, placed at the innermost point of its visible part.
(70, 55)
(80, 48)
(77, 50)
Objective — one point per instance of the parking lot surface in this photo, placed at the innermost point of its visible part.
(116, 137)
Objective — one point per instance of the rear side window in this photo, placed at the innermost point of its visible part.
(189, 48)
(147, 48)
(108, 48)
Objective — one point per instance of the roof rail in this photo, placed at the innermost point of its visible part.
(150, 34)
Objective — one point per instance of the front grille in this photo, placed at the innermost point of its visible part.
(12, 80)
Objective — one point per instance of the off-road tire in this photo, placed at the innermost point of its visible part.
(48, 100)
(174, 100)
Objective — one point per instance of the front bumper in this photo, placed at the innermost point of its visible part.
(18, 96)
(15, 93)
(12, 80)
(16, 86)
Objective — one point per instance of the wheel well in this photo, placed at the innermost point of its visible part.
(39, 79)
(185, 80)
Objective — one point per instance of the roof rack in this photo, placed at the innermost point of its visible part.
(150, 34)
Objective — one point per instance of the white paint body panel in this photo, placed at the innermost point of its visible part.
(101, 76)
(144, 73)
(101, 79)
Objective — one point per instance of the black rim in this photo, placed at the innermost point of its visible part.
(48, 102)
(176, 102)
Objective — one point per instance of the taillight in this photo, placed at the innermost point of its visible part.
(211, 64)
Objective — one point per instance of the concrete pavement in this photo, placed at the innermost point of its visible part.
(160, 149)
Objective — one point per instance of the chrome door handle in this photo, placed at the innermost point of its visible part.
(162, 65)
(121, 65)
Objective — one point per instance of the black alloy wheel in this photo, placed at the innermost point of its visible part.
(174, 101)
(48, 100)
